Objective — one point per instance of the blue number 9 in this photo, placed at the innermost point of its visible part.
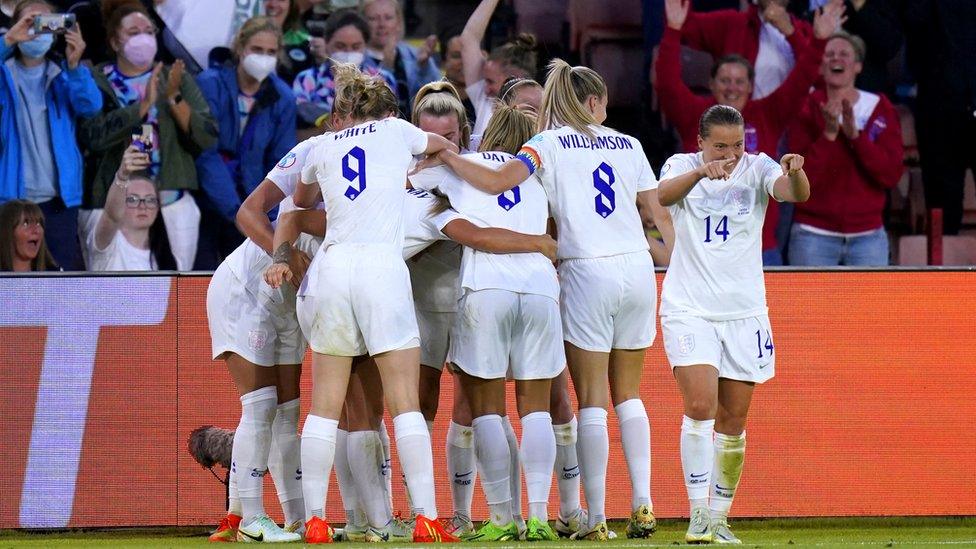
(352, 175)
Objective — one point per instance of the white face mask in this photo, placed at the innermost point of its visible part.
(259, 66)
(351, 57)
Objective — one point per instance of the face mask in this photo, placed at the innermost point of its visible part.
(351, 57)
(259, 66)
(37, 47)
(140, 50)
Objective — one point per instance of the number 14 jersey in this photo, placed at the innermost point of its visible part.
(592, 186)
(716, 269)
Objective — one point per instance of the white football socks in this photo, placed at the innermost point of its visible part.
(285, 461)
(515, 475)
(696, 458)
(494, 464)
(252, 444)
(318, 454)
(566, 468)
(593, 448)
(538, 454)
(730, 452)
(635, 435)
(417, 461)
(387, 461)
(366, 462)
(461, 468)
(348, 487)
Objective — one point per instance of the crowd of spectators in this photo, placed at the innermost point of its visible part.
(130, 141)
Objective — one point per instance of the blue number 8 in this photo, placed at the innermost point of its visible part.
(352, 175)
(508, 204)
(603, 179)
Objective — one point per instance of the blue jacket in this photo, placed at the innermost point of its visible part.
(229, 171)
(70, 94)
(416, 75)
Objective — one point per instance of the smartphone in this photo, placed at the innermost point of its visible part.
(54, 23)
(143, 140)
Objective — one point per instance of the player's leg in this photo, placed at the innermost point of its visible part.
(564, 426)
(626, 367)
(590, 370)
(734, 398)
(699, 391)
(330, 378)
(353, 418)
(285, 459)
(487, 399)
(538, 453)
(634, 330)
(462, 470)
(400, 373)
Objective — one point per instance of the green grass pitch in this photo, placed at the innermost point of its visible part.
(837, 532)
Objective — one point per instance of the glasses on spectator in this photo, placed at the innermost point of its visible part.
(28, 223)
(133, 201)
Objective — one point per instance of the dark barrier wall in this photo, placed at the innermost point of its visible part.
(102, 379)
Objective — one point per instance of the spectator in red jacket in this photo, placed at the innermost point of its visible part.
(852, 141)
(765, 34)
(731, 84)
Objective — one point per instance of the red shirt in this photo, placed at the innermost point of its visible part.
(724, 32)
(849, 180)
(765, 119)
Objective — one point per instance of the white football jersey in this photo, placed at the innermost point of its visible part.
(716, 269)
(523, 209)
(249, 261)
(592, 187)
(421, 228)
(362, 171)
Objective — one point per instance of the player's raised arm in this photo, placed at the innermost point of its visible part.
(485, 178)
(671, 191)
(793, 185)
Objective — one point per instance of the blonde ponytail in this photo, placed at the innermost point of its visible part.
(567, 89)
(360, 96)
(508, 129)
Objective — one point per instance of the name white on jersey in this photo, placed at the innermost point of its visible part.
(362, 171)
(716, 267)
(592, 185)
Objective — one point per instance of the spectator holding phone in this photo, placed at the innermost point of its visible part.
(129, 235)
(255, 112)
(142, 97)
(42, 97)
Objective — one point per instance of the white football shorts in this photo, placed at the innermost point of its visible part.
(498, 332)
(257, 323)
(608, 302)
(358, 301)
(435, 337)
(740, 349)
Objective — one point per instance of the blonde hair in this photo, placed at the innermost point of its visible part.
(508, 129)
(252, 27)
(360, 96)
(564, 94)
(442, 99)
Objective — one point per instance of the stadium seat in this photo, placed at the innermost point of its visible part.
(543, 18)
(603, 20)
(956, 250)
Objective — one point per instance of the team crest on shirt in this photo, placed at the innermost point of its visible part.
(686, 343)
(257, 339)
(288, 161)
(741, 199)
(876, 128)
